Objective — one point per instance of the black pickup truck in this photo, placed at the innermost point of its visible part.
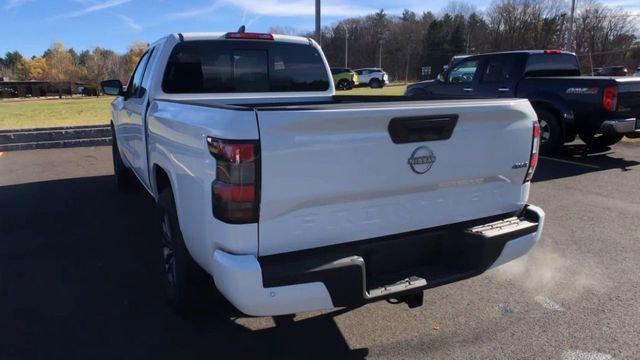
(601, 110)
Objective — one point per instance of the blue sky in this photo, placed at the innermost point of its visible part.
(31, 26)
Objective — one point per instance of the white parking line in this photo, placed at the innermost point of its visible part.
(584, 355)
(548, 303)
(570, 162)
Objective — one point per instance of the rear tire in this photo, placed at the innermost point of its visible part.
(599, 141)
(551, 137)
(188, 288)
(124, 176)
(343, 85)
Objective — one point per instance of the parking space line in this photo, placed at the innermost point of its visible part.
(570, 162)
(585, 355)
(548, 303)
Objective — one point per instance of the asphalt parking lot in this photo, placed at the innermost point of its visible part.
(79, 277)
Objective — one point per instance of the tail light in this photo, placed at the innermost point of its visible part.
(535, 148)
(248, 35)
(553, 51)
(235, 191)
(610, 98)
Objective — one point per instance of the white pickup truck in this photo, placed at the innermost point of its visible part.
(292, 199)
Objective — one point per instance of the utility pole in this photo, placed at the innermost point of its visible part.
(468, 38)
(562, 37)
(380, 56)
(318, 31)
(346, 46)
(569, 45)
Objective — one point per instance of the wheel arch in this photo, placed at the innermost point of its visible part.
(555, 104)
(565, 122)
(161, 180)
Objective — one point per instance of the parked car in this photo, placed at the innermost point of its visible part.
(344, 78)
(292, 199)
(637, 72)
(600, 110)
(372, 77)
(611, 71)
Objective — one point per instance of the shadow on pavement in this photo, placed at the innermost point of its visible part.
(578, 159)
(79, 279)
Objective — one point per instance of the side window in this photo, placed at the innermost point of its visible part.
(133, 89)
(498, 70)
(463, 73)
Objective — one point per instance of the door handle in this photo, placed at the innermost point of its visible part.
(467, 89)
(405, 130)
(503, 89)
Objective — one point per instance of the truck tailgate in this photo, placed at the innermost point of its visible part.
(332, 173)
(629, 96)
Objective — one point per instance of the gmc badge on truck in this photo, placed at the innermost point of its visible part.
(421, 160)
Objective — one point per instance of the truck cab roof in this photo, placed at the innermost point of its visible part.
(195, 36)
(529, 52)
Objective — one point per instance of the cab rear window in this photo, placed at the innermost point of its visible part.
(226, 66)
(552, 65)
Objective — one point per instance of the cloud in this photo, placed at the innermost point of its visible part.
(93, 8)
(198, 11)
(12, 4)
(298, 8)
(130, 23)
(277, 8)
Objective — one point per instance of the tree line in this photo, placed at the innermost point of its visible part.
(403, 44)
(60, 64)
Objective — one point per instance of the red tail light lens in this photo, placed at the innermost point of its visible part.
(535, 147)
(610, 98)
(235, 191)
(248, 35)
(553, 51)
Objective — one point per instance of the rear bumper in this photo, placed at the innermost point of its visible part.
(619, 126)
(352, 274)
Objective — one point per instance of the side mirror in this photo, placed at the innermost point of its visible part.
(441, 78)
(112, 87)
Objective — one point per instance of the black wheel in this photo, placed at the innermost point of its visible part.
(188, 288)
(375, 83)
(124, 176)
(551, 137)
(598, 141)
(343, 85)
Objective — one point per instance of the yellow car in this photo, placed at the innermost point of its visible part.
(344, 78)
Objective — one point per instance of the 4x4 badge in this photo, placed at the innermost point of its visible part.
(421, 160)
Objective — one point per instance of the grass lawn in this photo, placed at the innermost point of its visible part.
(27, 113)
(393, 89)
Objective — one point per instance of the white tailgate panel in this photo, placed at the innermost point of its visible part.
(335, 176)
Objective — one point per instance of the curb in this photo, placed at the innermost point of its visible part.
(54, 137)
